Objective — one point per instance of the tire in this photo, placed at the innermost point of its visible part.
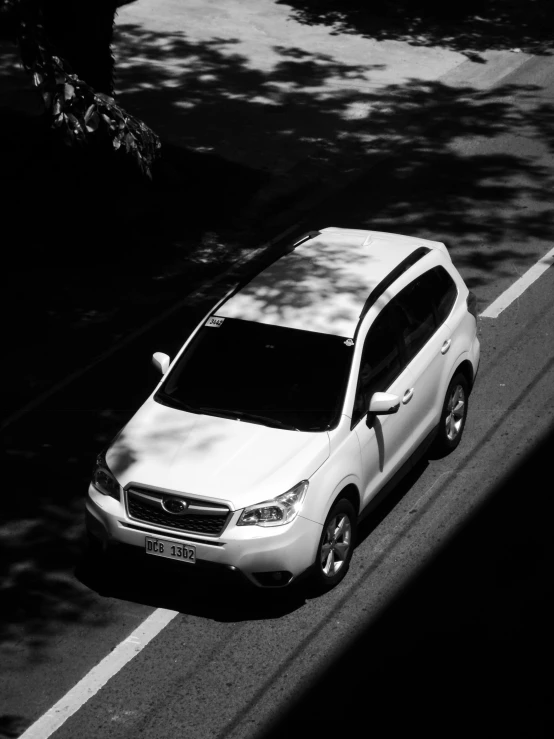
(335, 547)
(453, 416)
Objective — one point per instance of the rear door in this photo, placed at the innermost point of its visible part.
(420, 315)
(407, 353)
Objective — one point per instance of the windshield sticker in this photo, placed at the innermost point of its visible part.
(349, 342)
(214, 321)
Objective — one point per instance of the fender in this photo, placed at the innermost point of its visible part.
(343, 467)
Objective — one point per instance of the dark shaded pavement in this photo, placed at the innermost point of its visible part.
(467, 649)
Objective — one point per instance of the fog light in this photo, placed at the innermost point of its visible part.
(275, 579)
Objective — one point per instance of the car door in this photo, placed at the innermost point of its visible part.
(381, 438)
(419, 314)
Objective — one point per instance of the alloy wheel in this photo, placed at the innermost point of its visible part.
(455, 412)
(336, 544)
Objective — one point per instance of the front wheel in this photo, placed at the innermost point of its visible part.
(453, 416)
(335, 546)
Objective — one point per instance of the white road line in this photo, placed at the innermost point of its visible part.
(99, 675)
(519, 286)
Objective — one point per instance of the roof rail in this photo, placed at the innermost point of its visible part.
(393, 275)
(305, 237)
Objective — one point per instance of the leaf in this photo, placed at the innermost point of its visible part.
(57, 107)
(68, 91)
(75, 121)
(37, 79)
(130, 142)
(104, 97)
(108, 120)
(116, 144)
(92, 123)
(90, 110)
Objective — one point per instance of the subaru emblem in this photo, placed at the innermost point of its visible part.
(175, 506)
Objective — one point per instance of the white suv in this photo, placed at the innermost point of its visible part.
(295, 401)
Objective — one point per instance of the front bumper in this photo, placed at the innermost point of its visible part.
(251, 550)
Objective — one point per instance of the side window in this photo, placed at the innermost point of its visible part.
(415, 316)
(381, 362)
(422, 307)
(400, 331)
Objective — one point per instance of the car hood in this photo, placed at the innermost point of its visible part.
(238, 462)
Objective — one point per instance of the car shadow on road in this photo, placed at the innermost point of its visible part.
(196, 591)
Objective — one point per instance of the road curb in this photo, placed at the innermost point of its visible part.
(483, 76)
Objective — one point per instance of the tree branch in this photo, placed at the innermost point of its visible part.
(76, 109)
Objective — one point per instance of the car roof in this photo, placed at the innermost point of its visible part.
(323, 284)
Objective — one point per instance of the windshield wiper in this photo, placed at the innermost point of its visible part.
(265, 420)
(244, 415)
(174, 402)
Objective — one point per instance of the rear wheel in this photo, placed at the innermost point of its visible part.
(453, 416)
(335, 546)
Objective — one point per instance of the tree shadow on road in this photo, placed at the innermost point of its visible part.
(471, 27)
(82, 278)
(243, 146)
(303, 118)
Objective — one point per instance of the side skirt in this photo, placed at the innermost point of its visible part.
(398, 475)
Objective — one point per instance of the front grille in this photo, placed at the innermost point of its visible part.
(201, 516)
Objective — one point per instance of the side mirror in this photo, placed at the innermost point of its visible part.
(383, 404)
(161, 362)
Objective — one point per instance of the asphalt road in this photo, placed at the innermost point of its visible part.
(442, 625)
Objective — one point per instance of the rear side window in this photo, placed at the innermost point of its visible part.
(422, 307)
(400, 331)
(414, 316)
(444, 292)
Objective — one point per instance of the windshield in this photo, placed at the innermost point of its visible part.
(260, 373)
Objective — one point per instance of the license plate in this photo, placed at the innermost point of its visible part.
(170, 550)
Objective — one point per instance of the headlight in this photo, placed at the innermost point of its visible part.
(103, 480)
(282, 509)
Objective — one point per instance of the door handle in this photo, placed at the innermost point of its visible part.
(446, 346)
(408, 395)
